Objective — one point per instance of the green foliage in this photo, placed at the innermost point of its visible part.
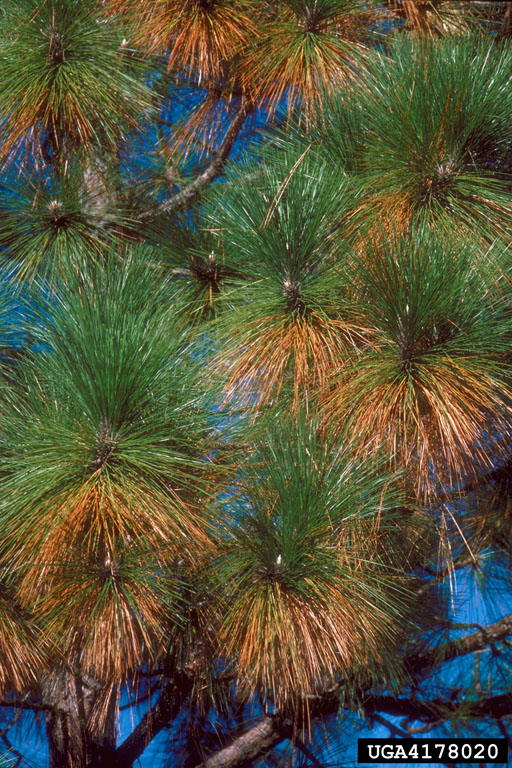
(50, 220)
(309, 49)
(230, 443)
(433, 375)
(282, 321)
(317, 577)
(421, 141)
(11, 323)
(66, 79)
(103, 461)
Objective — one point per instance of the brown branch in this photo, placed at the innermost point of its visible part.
(194, 190)
(453, 649)
(394, 730)
(420, 662)
(501, 474)
(269, 732)
(261, 738)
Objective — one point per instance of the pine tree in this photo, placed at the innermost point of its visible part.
(255, 373)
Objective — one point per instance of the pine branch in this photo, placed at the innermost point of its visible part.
(499, 475)
(452, 649)
(261, 738)
(194, 190)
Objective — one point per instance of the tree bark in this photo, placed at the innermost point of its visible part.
(265, 735)
(64, 726)
(69, 700)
